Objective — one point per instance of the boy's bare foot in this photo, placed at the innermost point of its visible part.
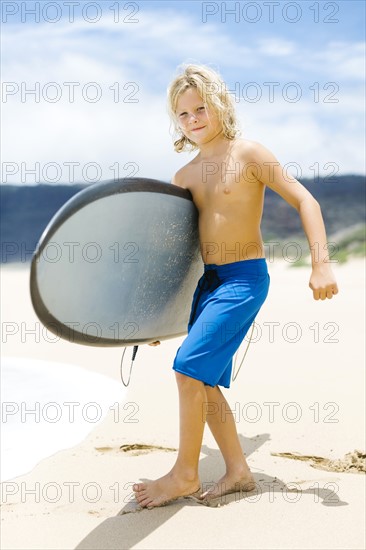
(165, 489)
(229, 483)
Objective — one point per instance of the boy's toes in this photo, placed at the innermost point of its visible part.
(144, 500)
(137, 487)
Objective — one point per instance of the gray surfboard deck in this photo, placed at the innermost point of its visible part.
(118, 264)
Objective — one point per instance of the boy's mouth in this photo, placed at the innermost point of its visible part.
(195, 129)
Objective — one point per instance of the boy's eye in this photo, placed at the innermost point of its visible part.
(184, 114)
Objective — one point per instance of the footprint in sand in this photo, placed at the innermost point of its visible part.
(354, 462)
(135, 449)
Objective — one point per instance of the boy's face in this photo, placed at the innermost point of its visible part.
(197, 121)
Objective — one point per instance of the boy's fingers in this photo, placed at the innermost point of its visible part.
(324, 293)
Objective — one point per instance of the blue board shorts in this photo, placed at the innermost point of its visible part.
(224, 306)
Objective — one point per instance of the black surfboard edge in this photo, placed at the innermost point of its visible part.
(106, 189)
(70, 334)
(73, 205)
(73, 336)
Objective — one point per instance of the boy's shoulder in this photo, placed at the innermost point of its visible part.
(181, 177)
(247, 146)
(249, 151)
(244, 150)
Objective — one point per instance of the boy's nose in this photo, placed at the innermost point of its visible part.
(192, 116)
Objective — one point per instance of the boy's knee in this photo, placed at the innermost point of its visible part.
(183, 380)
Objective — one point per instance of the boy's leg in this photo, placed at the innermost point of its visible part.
(183, 479)
(199, 357)
(221, 422)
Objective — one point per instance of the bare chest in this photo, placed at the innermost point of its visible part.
(221, 183)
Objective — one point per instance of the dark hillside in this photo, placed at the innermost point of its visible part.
(25, 212)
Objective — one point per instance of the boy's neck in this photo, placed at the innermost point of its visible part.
(215, 147)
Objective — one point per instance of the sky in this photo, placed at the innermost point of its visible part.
(83, 96)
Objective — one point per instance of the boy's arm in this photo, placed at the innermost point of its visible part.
(269, 171)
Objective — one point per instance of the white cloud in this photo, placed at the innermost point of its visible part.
(276, 47)
(340, 60)
(146, 53)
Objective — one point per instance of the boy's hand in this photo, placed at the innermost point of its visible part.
(157, 343)
(323, 283)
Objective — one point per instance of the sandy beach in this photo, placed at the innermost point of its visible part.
(300, 393)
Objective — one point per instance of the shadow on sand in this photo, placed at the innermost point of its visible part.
(130, 525)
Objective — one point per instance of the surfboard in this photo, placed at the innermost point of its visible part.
(118, 264)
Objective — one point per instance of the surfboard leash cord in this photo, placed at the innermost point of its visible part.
(134, 352)
(235, 374)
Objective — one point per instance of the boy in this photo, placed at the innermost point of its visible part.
(227, 180)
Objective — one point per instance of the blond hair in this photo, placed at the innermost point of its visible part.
(214, 94)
